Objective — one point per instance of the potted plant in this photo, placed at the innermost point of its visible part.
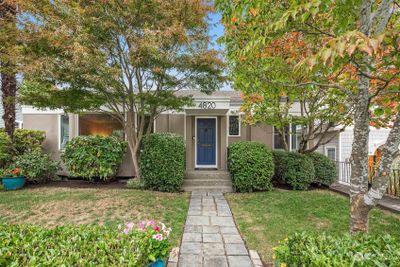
(152, 241)
(12, 179)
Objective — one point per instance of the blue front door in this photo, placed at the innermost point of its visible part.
(206, 142)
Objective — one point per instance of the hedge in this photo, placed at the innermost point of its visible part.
(251, 166)
(162, 162)
(303, 249)
(325, 169)
(26, 140)
(85, 245)
(5, 144)
(92, 157)
(294, 169)
(37, 166)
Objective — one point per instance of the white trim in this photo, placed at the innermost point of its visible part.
(195, 142)
(330, 147)
(32, 110)
(340, 146)
(240, 125)
(59, 131)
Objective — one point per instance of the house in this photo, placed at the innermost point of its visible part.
(208, 127)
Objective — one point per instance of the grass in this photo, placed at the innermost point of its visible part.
(49, 207)
(265, 218)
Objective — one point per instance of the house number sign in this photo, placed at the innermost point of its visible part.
(207, 105)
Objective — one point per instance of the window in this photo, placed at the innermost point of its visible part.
(331, 153)
(100, 124)
(292, 137)
(234, 125)
(64, 130)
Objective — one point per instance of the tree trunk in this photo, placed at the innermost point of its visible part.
(359, 214)
(8, 91)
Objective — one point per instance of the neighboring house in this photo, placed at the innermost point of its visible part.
(18, 113)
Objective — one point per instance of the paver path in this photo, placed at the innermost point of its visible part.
(211, 237)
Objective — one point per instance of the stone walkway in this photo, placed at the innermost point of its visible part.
(211, 237)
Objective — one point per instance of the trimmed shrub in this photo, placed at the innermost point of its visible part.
(162, 162)
(94, 157)
(325, 169)
(5, 148)
(37, 166)
(251, 166)
(27, 140)
(294, 169)
(323, 250)
(84, 245)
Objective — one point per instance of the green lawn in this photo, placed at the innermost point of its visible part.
(50, 207)
(265, 218)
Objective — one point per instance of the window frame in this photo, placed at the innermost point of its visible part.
(239, 125)
(331, 147)
(60, 131)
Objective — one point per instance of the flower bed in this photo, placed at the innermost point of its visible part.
(85, 245)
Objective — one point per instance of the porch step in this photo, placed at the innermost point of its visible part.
(205, 174)
(207, 180)
(223, 189)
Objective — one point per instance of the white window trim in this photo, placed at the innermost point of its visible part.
(290, 139)
(240, 125)
(331, 147)
(216, 143)
(59, 130)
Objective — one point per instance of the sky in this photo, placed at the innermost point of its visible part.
(216, 30)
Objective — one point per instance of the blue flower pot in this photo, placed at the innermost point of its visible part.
(13, 183)
(158, 263)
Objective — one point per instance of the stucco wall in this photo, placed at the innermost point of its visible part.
(262, 134)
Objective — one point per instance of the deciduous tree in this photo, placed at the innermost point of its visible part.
(354, 49)
(126, 58)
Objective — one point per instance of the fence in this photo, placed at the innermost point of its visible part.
(344, 174)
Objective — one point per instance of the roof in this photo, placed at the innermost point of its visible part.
(232, 95)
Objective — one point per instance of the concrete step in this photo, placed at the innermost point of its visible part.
(213, 175)
(224, 189)
(207, 182)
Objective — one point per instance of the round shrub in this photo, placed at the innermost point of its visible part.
(37, 166)
(294, 169)
(26, 140)
(304, 249)
(5, 147)
(162, 162)
(251, 166)
(94, 157)
(325, 169)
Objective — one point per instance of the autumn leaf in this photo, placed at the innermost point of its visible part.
(253, 12)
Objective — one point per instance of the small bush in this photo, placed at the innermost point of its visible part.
(84, 245)
(324, 250)
(251, 166)
(325, 169)
(294, 169)
(93, 157)
(162, 162)
(5, 148)
(38, 166)
(134, 184)
(27, 140)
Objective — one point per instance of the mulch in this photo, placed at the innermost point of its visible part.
(77, 183)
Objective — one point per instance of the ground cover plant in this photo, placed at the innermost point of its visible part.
(266, 218)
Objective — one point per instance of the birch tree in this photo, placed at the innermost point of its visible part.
(123, 58)
(354, 49)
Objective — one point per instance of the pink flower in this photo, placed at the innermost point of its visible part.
(129, 225)
(126, 231)
(151, 222)
(157, 229)
(158, 237)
